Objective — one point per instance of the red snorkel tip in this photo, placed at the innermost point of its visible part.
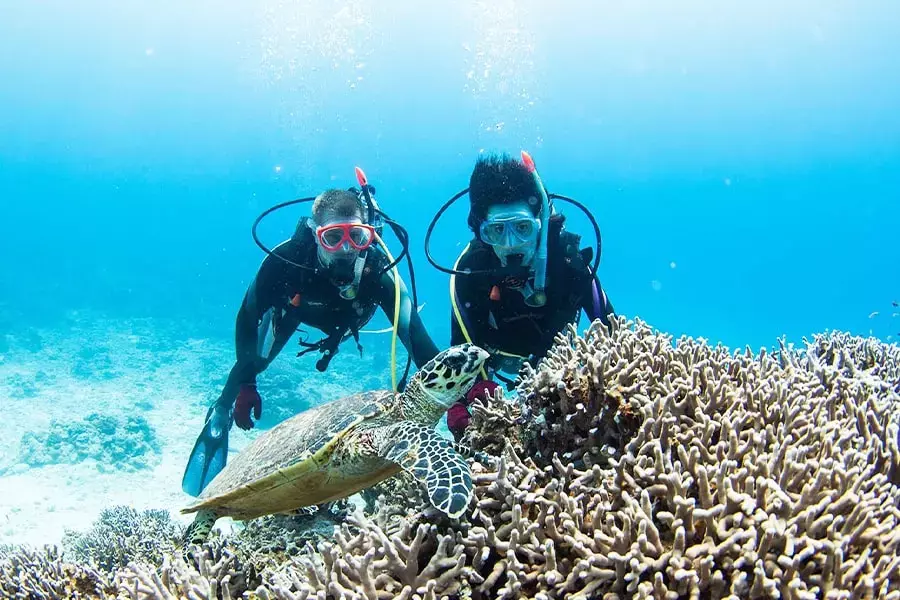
(529, 162)
(361, 177)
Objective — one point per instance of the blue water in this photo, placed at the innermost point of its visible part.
(742, 159)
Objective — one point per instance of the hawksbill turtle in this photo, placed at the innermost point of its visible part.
(341, 447)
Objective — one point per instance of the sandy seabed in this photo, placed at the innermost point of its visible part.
(135, 367)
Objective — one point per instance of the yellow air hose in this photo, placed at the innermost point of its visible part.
(396, 312)
(455, 305)
(459, 320)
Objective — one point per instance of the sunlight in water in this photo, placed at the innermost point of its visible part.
(300, 37)
(499, 64)
(311, 52)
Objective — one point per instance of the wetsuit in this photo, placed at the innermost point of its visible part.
(497, 318)
(495, 314)
(293, 296)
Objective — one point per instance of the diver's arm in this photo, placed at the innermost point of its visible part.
(246, 335)
(261, 296)
(410, 328)
(595, 303)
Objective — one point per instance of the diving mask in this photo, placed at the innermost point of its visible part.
(342, 248)
(512, 231)
(332, 237)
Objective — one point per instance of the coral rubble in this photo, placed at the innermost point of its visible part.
(632, 468)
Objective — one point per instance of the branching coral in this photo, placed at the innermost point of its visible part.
(495, 424)
(121, 535)
(728, 474)
(639, 469)
(272, 538)
(214, 573)
(857, 356)
(396, 501)
(364, 563)
(42, 575)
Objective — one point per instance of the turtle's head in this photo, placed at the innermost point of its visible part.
(449, 375)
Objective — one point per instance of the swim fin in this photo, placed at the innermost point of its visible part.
(210, 452)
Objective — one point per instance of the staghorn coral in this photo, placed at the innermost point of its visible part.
(583, 402)
(213, 573)
(865, 353)
(395, 501)
(270, 539)
(42, 574)
(772, 477)
(495, 423)
(121, 535)
(364, 563)
(730, 476)
(725, 475)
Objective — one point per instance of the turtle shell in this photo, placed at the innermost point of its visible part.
(286, 467)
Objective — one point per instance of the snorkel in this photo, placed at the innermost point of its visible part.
(539, 295)
(373, 210)
(395, 333)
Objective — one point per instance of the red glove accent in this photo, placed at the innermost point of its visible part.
(458, 419)
(482, 389)
(458, 416)
(247, 398)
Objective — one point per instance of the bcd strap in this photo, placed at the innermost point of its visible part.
(330, 345)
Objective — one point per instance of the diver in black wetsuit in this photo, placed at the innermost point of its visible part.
(522, 278)
(330, 275)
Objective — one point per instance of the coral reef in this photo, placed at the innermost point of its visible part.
(856, 357)
(271, 539)
(23, 386)
(115, 442)
(495, 424)
(637, 468)
(217, 572)
(42, 574)
(121, 535)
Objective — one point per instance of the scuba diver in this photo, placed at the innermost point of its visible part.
(332, 274)
(522, 278)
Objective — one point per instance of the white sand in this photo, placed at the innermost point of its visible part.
(125, 367)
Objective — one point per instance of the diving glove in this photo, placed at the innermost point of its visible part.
(248, 398)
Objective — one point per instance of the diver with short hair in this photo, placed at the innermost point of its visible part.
(522, 278)
(330, 275)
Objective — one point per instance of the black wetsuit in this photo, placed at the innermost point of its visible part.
(499, 319)
(298, 296)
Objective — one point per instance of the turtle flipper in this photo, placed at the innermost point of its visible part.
(198, 531)
(466, 451)
(431, 459)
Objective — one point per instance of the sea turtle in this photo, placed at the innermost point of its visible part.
(341, 447)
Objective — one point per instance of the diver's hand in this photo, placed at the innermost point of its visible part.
(458, 418)
(458, 415)
(482, 390)
(247, 398)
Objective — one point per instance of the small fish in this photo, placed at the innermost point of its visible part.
(895, 304)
